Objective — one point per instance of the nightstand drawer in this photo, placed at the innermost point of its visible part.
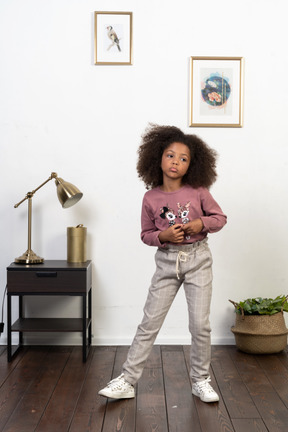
(52, 281)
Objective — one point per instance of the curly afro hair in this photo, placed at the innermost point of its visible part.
(202, 168)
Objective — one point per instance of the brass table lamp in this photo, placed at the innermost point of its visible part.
(68, 195)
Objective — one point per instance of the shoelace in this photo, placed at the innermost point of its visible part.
(204, 385)
(181, 257)
(116, 383)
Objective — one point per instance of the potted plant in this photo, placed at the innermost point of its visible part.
(260, 326)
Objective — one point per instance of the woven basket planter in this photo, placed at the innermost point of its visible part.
(260, 334)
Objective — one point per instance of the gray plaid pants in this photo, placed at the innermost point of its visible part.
(190, 265)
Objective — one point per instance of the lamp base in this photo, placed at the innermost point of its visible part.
(29, 257)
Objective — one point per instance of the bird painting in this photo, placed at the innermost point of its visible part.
(113, 37)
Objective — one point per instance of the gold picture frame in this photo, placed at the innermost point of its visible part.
(113, 38)
(216, 92)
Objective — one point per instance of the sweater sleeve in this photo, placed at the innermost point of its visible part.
(214, 219)
(149, 231)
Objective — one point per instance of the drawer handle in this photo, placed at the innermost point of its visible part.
(46, 274)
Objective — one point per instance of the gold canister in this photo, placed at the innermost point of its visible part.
(76, 244)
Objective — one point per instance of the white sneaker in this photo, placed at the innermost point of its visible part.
(204, 391)
(118, 388)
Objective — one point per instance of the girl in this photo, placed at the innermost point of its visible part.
(177, 213)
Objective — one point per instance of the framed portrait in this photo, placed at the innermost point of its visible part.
(216, 92)
(113, 38)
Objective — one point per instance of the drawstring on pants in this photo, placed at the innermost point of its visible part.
(181, 257)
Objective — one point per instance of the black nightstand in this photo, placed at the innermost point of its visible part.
(53, 277)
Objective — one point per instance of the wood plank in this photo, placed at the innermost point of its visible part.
(212, 416)
(151, 406)
(181, 410)
(238, 400)
(6, 368)
(250, 371)
(277, 374)
(283, 357)
(30, 409)
(91, 408)
(272, 411)
(17, 383)
(249, 425)
(120, 414)
(59, 411)
(155, 358)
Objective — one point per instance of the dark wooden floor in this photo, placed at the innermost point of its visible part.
(50, 389)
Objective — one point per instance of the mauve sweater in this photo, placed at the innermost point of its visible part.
(162, 209)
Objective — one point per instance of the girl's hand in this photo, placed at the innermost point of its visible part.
(193, 227)
(173, 234)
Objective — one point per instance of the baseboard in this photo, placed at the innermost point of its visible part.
(74, 340)
(161, 341)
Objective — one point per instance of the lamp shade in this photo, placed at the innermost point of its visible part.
(67, 193)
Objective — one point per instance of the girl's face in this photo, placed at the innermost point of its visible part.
(175, 161)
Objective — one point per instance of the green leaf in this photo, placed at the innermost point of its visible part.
(262, 306)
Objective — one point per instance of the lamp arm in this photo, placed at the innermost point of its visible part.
(30, 194)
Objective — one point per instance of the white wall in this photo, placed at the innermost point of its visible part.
(59, 112)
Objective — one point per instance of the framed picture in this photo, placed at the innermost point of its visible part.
(216, 92)
(113, 38)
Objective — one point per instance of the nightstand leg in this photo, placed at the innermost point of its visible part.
(21, 315)
(90, 317)
(9, 337)
(84, 330)
(11, 351)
